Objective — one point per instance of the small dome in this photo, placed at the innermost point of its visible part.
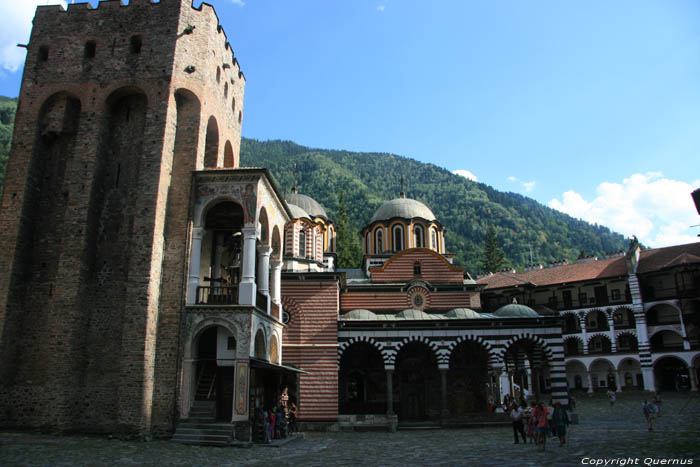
(414, 315)
(307, 203)
(515, 310)
(359, 314)
(404, 208)
(297, 212)
(462, 313)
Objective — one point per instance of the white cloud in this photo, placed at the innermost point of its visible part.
(238, 2)
(658, 210)
(381, 7)
(16, 25)
(465, 174)
(528, 186)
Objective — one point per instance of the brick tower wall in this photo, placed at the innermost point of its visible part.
(114, 112)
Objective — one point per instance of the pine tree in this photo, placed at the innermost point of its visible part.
(494, 258)
(348, 245)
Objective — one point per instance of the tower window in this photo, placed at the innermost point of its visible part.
(240, 116)
(233, 105)
(135, 44)
(416, 268)
(218, 74)
(90, 48)
(398, 237)
(418, 237)
(225, 89)
(43, 53)
(379, 242)
(302, 244)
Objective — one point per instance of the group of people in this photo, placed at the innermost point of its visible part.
(279, 421)
(541, 421)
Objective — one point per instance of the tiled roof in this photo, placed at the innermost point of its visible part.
(650, 260)
(662, 258)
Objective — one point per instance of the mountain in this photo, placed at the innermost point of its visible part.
(464, 207)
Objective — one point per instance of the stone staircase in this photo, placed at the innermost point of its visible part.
(201, 427)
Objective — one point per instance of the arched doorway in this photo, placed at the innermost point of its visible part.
(527, 362)
(671, 374)
(215, 353)
(576, 375)
(417, 383)
(467, 379)
(362, 380)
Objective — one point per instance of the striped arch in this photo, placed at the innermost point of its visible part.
(478, 339)
(598, 334)
(296, 318)
(525, 336)
(594, 310)
(343, 346)
(621, 332)
(399, 345)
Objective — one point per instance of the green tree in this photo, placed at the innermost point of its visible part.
(347, 241)
(493, 259)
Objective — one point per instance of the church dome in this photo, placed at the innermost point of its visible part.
(515, 310)
(462, 313)
(306, 203)
(297, 212)
(360, 314)
(404, 208)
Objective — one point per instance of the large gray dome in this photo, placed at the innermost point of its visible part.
(307, 203)
(404, 208)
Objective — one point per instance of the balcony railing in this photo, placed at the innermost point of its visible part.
(214, 295)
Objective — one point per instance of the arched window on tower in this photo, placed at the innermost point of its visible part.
(416, 269)
(434, 240)
(379, 241)
(418, 237)
(302, 244)
(368, 244)
(398, 237)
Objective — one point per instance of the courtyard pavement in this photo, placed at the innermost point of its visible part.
(618, 434)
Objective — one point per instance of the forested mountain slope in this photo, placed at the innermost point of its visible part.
(464, 207)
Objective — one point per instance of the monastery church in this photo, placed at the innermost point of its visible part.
(148, 280)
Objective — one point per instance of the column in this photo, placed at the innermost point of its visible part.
(504, 381)
(443, 394)
(620, 380)
(264, 273)
(648, 377)
(195, 256)
(590, 382)
(390, 392)
(693, 378)
(528, 371)
(275, 281)
(686, 342)
(611, 333)
(248, 288)
(582, 323)
(618, 386)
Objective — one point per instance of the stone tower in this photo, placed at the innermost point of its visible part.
(119, 104)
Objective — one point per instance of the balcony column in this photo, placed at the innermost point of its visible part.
(264, 273)
(195, 256)
(248, 288)
(582, 323)
(611, 333)
(686, 342)
(275, 281)
(693, 378)
(528, 371)
(590, 382)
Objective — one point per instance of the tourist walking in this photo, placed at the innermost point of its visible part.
(611, 397)
(541, 413)
(657, 403)
(560, 420)
(293, 418)
(647, 410)
(531, 424)
(517, 414)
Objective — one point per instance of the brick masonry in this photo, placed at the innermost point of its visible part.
(118, 105)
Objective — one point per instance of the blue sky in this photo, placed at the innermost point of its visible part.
(592, 108)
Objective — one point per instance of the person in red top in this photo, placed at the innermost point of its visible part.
(540, 413)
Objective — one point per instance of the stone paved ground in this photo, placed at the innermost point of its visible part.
(604, 433)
